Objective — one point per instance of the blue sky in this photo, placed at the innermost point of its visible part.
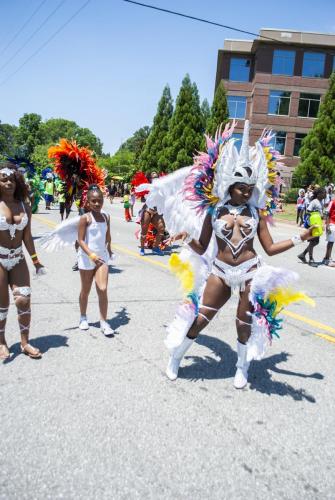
(107, 68)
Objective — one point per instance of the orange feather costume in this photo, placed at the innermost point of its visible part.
(77, 167)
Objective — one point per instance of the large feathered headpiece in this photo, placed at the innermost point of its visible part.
(74, 162)
(223, 165)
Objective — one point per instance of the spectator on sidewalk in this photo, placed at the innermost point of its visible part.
(132, 201)
(126, 205)
(330, 234)
(315, 206)
(300, 207)
(111, 190)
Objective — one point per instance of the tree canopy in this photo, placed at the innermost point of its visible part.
(318, 147)
(219, 110)
(185, 130)
(150, 158)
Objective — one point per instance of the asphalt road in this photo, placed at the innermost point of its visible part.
(97, 419)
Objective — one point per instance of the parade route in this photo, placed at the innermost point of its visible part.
(96, 418)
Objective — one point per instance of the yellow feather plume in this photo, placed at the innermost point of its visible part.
(183, 271)
(285, 296)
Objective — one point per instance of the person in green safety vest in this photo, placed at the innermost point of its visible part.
(49, 190)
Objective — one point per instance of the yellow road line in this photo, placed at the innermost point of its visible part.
(154, 262)
(117, 247)
(139, 257)
(309, 321)
(45, 221)
(326, 337)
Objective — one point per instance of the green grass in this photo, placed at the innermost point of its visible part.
(289, 212)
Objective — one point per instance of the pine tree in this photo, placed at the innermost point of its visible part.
(206, 113)
(149, 158)
(318, 147)
(219, 111)
(186, 128)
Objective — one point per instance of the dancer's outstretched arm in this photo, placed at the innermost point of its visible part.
(29, 242)
(199, 246)
(272, 248)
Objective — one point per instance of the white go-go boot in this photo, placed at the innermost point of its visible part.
(242, 365)
(176, 357)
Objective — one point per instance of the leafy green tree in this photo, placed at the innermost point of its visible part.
(206, 113)
(136, 143)
(54, 129)
(28, 133)
(121, 163)
(219, 110)
(185, 131)
(7, 139)
(39, 157)
(318, 147)
(150, 157)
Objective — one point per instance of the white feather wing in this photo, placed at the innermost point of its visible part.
(63, 236)
(166, 193)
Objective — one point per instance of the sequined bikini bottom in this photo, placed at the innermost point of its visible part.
(10, 257)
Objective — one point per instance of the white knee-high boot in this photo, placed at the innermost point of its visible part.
(176, 357)
(242, 365)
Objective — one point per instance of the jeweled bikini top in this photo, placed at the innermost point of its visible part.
(12, 228)
(222, 231)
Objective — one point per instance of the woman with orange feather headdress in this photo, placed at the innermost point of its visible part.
(76, 166)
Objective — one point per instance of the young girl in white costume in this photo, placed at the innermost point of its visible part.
(94, 241)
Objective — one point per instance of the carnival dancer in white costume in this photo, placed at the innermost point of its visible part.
(216, 208)
(15, 230)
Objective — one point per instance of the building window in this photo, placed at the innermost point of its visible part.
(313, 65)
(237, 106)
(279, 102)
(297, 143)
(309, 105)
(283, 62)
(239, 69)
(238, 141)
(278, 141)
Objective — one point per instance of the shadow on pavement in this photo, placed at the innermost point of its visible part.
(114, 270)
(209, 368)
(121, 318)
(44, 344)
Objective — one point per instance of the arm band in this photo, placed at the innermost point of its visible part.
(34, 256)
(296, 240)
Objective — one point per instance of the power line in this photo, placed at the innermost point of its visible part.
(22, 27)
(41, 47)
(202, 20)
(32, 35)
(213, 23)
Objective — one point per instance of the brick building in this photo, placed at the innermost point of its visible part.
(277, 84)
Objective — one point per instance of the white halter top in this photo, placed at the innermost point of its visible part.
(96, 233)
(12, 228)
(224, 233)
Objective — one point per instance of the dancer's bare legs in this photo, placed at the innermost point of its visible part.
(4, 305)
(145, 222)
(19, 281)
(101, 283)
(86, 285)
(215, 295)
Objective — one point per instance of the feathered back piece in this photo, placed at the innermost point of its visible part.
(198, 187)
(72, 160)
(273, 162)
(138, 179)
